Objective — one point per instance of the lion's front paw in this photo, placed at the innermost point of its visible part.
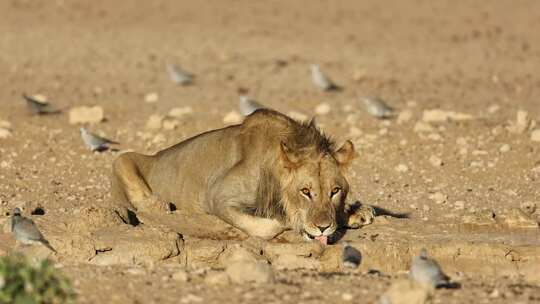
(152, 203)
(362, 216)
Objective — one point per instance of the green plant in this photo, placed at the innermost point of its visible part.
(24, 283)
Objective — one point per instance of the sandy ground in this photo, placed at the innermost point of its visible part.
(468, 185)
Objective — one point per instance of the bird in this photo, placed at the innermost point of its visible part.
(38, 107)
(248, 106)
(351, 257)
(95, 142)
(25, 231)
(427, 271)
(322, 81)
(179, 76)
(376, 107)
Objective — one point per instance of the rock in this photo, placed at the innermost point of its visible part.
(180, 276)
(438, 197)
(421, 127)
(180, 112)
(438, 115)
(528, 207)
(359, 74)
(217, 278)
(232, 117)
(401, 168)
(435, 161)
(154, 122)
(516, 218)
(170, 124)
(535, 135)
(242, 272)
(493, 109)
(346, 296)
(322, 109)
(151, 97)
(159, 138)
(460, 205)
(4, 133)
(191, 298)
(297, 116)
(404, 116)
(407, 292)
(523, 123)
(82, 115)
(504, 148)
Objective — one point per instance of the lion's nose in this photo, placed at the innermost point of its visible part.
(323, 228)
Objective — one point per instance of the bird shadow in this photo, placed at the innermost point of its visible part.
(449, 285)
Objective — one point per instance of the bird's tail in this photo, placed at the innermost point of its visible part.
(48, 245)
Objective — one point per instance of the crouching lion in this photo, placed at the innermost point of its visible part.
(266, 175)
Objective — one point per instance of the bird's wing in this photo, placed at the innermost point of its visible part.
(30, 229)
(105, 140)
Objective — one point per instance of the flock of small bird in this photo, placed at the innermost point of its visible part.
(374, 106)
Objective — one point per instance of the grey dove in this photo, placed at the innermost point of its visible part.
(38, 107)
(376, 107)
(427, 271)
(248, 106)
(179, 76)
(351, 257)
(25, 230)
(321, 80)
(95, 142)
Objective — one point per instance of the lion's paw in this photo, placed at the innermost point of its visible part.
(152, 203)
(362, 216)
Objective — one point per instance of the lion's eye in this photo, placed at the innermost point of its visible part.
(305, 191)
(335, 191)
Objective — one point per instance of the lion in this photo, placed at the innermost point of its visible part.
(264, 176)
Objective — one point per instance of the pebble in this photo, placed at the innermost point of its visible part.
(438, 197)
(82, 115)
(170, 124)
(404, 116)
(191, 298)
(154, 122)
(438, 115)
(346, 296)
(493, 109)
(359, 74)
(401, 168)
(159, 138)
(151, 97)
(535, 135)
(504, 148)
(460, 205)
(179, 112)
(421, 126)
(435, 161)
(322, 109)
(4, 133)
(180, 276)
(232, 117)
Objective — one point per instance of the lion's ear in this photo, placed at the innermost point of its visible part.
(345, 154)
(290, 157)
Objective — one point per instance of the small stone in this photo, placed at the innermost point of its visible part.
(479, 153)
(180, 112)
(359, 74)
(401, 168)
(495, 293)
(151, 97)
(241, 272)
(136, 271)
(426, 208)
(170, 124)
(154, 122)
(493, 109)
(217, 278)
(346, 296)
(535, 135)
(460, 205)
(438, 197)
(4, 133)
(159, 138)
(528, 207)
(435, 161)
(322, 109)
(421, 126)
(180, 276)
(504, 148)
(232, 117)
(191, 298)
(404, 116)
(297, 116)
(82, 115)
(438, 115)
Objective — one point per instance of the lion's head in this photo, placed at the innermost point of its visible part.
(313, 187)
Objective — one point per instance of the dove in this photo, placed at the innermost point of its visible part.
(38, 107)
(351, 257)
(427, 271)
(376, 107)
(95, 142)
(179, 76)
(25, 231)
(248, 106)
(321, 80)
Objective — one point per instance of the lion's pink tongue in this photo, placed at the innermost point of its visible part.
(323, 239)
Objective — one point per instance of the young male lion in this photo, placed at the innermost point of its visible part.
(266, 175)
